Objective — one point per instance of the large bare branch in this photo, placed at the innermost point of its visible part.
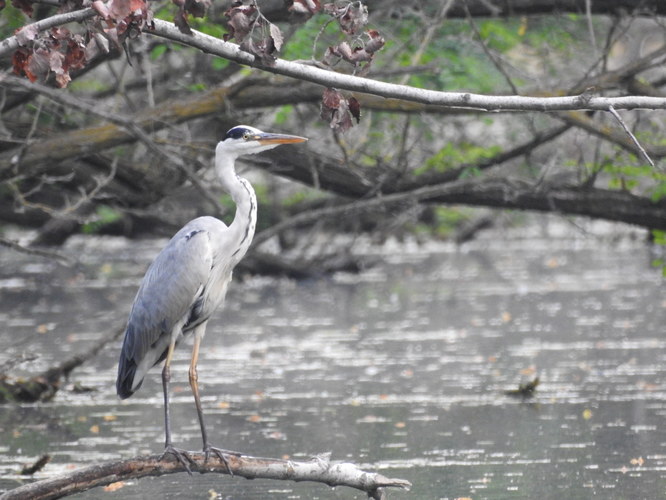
(276, 10)
(324, 77)
(467, 100)
(485, 8)
(319, 469)
(506, 193)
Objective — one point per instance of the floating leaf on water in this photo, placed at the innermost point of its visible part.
(114, 486)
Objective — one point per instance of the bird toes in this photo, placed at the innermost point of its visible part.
(182, 456)
(221, 454)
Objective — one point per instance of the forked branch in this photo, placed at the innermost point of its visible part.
(319, 469)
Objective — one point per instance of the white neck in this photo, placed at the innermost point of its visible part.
(241, 191)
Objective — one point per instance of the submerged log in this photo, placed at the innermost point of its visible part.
(44, 386)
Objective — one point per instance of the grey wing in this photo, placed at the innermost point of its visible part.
(170, 290)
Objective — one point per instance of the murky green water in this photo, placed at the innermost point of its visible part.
(400, 369)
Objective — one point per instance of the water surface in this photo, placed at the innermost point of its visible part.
(402, 369)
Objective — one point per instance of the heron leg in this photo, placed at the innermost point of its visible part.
(181, 455)
(194, 384)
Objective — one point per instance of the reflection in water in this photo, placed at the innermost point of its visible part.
(402, 368)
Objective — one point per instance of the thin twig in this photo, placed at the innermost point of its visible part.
(70, 208)
(127, 124)
(5, 366)
(590, 26)
(487, 51)
(633, 137)
(49, 254)
(426, 36)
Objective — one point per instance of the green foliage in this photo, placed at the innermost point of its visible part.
(627, 174)
(157, 51)
(283, 113)
(457, 54)
(11, 19)
(217, 63)
(501, 35)
(301, 43)
(659, 238)
(456, 155)
(105, 215)
(446, 221)
(196, 87)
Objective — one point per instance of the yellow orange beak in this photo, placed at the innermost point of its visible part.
(266, 138)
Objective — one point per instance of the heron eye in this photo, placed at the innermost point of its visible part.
(246, 136)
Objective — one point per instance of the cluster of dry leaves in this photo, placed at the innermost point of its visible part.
(352, 17)
(54, 53)
(253, 32)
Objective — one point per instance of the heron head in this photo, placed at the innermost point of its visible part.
(243, 140)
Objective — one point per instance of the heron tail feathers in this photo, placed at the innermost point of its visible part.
(125, 385)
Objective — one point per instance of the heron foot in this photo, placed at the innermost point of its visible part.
(221, 454)
(182, 456)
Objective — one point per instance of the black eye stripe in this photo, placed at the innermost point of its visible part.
(237, 133)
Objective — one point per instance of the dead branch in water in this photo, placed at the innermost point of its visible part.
(319, 469)
(43, 387)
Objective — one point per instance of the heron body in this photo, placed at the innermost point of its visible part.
(188, 279)
(180, 291)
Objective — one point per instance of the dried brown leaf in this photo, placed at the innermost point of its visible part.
(331, 98)
(197, 8)
(307, 7)
(241, 18)
(38, 65)
(75, 56)
(109, 488)
(263, 49)
(20, 60)
(375, 43)
(101, 8)
(26, 34)
(276, 35)
(180, 20)
(335, 109)
(351, 16)
(355, 108)
(24, 5)
(121, 9)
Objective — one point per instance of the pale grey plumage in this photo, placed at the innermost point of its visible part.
(188, 279)
(185, 283)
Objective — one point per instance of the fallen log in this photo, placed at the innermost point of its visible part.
(318, 469)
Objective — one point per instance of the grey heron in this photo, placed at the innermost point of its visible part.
(188, 280)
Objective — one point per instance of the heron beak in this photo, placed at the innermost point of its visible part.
(266, 138)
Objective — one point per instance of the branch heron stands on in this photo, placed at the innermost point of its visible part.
(188, 280)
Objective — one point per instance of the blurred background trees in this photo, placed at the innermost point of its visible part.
(126, 147)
